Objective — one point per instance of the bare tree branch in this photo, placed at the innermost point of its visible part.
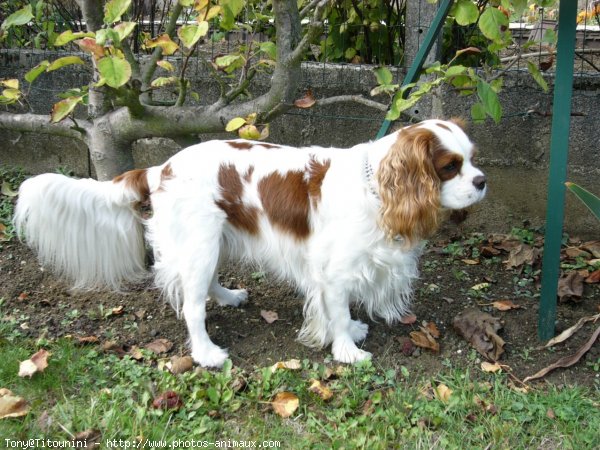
(314, 29)
(353, 98)
(37, 123)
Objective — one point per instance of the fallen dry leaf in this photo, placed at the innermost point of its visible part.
(159, 346)
(442, 392)
(593, 278)
(37, 363)
(307, 101)
(136, 353)
(408, 319)
(12, 405)
(480, 287)
(566, 361)
(490, 367)
(292, 364)
(117, 311)
(113, 347)
(269, 316)
(470, 262)
(570, 286)
(7, 190)
(86, 439)
(522, 254)
(180, 364)
(566, 334)
(3, 236)
(433, 329)
(593, 247)
(576, 252)
(22, 296)
(505, 305)
(424, 339)
(479, 329)
(488, 251)
(285, 403)
(317, 387)
(167, 400)
(85, 340)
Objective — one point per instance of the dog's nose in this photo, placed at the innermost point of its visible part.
(479, 182)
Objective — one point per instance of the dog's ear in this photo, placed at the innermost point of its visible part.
(409, 187)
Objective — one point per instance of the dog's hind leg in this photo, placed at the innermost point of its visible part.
(197, 275)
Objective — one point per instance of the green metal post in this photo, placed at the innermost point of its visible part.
(415, 68)
(559, 149)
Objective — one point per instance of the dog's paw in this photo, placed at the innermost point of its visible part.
(233, 297)
(345, 351)
(358, 330)
(212, 356)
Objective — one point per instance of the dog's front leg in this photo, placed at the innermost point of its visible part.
(343, 330)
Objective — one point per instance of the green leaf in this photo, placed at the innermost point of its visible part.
(115, 71)
(537, 75)
(229, 62)
(466, 12)
(454, 71)
(492, 23)
(114, 9)
(270, 49)
(36, 71)
(235, 123)
(63, 108)
(590, 200)
(11, 94)
(105, 35)
(350, 53)
(186, 3)
(489, 100)
(124, 29)
(519, 7)
(383, 75)
(478, 112)
(165, 65)
(164, 81)
(190, 34)
(20, 17)
(68, 36)
(249, 132)
(64, 61)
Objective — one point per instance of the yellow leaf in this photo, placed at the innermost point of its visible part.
(285, 404)
(164, 41)
(13, 83)
(12, 405)
(490, 367)
(443, 392)
(320, 389)
(235, 123)
(292, 364)
(249, 132)
(165, 65)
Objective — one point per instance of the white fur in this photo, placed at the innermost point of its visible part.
(91, 233)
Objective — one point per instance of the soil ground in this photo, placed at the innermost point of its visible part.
(46, 306)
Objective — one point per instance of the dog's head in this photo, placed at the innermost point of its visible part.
(429, 167)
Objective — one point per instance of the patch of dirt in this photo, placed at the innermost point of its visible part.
(46, 306)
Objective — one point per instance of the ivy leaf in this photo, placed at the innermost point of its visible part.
(114, 9)
(466, 12)
(36, 71)
(64, 61)
(63, 108)
(489, 100)
(115, 71)
(537, 75)
(163, 41)
(492, 24)
(20, 17)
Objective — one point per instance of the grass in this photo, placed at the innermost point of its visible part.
(85, 389)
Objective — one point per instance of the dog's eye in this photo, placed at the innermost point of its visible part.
(451, 167)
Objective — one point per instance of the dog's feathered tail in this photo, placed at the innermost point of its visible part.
(87, 231)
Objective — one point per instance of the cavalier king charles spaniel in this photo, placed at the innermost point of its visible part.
(345, 225)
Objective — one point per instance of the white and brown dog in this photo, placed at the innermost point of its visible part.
(345, 225)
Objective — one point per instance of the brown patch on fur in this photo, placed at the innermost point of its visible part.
(136, 181)
(240, 145)
(316, 173)
(285, 199)
(269, 146)
(248, 174)
(447, 164)
(444, 126)
(239, 215)
(409, 187)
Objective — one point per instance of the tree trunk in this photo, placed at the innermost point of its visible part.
(110, 155)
